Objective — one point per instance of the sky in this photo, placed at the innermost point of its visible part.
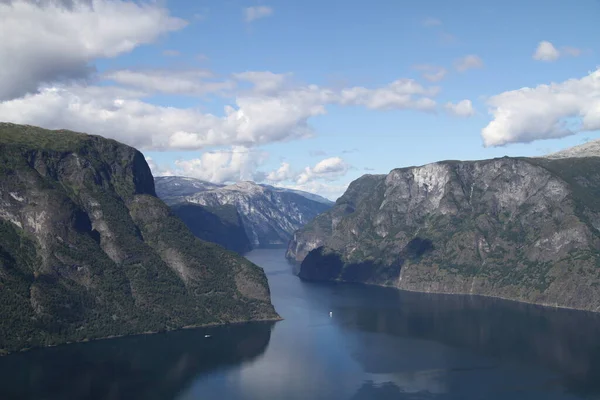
(306, 94)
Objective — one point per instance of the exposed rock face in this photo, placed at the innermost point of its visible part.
(517, 228)
(88, 251)
(590, 149)
(269, 215)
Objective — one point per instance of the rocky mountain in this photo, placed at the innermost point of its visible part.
(590, 149)
(268, 214)
(222, 225)
(88, 251)
(171, 189)
(525, 229)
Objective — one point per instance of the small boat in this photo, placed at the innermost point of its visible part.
(206, 335)
(330, 314)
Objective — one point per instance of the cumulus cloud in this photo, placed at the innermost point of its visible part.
(257, 12)
(49, 41)
(529, 114)
(400, 94)
(470, 61)
(187, 82)
(264, 82)
(222, 166)
(283, 173)
(252, 119)
(432, 73)
(328, 169)
(546, 51)
(463, 108)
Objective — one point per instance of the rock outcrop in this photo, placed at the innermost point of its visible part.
(525, 229)
(88, 251)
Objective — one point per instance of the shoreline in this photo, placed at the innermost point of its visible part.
(209, 325)
(488, 296)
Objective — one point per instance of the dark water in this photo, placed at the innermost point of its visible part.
(378, 344)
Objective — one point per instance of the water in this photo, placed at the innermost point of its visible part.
(379, 343)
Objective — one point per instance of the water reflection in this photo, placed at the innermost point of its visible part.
(477, 333)
(140, 367)
(379, 343)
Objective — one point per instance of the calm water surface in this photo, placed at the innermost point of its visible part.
(379, 343)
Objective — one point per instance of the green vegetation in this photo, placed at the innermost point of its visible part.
(519, 228)
(87, 251)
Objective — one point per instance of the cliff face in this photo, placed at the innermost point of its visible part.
(222, 225)
(268, 215)
(88, 251)
(517, 228)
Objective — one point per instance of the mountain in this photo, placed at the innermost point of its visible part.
(524, 229)
(590, 149)
(268, 214)
(310, 196)
(88, 251)
(221, 224)
(171, 188)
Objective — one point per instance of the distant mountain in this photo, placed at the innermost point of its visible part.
(590, 149)
(310, 196)
(171, 188)
(221, 224)
(88, 251)
(269, 214)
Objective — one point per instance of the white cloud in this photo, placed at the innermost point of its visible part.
(265, 82)
(254, 13)
(49, 41)
(432, 73)
(463, 108)
(283, 173)
(328, 169)
(253, 118)
(529, 114)
(546, 51)
(429, 22)
(399, 94)
(224, 166)
(191, 82)
(331, 191)
(470, 61)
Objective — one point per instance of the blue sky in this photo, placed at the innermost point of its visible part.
(310, 84)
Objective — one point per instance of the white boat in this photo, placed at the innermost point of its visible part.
(206, 335)
(330, 314)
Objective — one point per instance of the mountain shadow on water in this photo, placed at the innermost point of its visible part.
(563, 341)
(145, 367)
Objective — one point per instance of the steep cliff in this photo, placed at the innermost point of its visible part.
(517, 228)
(88, 251)
(222, 225)
(268, 214)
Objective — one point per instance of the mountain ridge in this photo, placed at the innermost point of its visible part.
(269, 215)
